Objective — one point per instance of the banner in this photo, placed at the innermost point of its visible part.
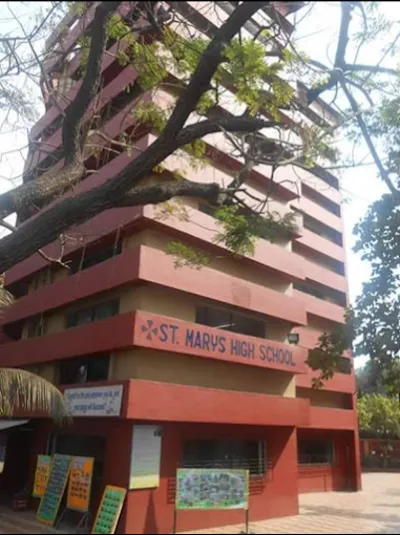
(212, 489)
(54, 492)
(41, 475)
(109, 510)
(95, 401)
(80, 483)
(145, 457)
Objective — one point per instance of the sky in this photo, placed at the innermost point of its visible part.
(316, 36)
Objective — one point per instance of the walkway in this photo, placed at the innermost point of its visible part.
(374, 510)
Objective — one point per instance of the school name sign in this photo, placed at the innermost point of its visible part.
(181, 337)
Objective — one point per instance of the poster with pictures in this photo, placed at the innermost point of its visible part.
(212, 489)
(51, 499)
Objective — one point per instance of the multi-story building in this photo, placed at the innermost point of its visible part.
(202, 355)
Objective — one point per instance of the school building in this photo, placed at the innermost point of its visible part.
(206, 359)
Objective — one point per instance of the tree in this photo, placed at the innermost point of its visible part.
(379, 416)
(23, 391)
(250, 63)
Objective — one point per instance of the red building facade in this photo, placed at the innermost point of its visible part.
(202, 355)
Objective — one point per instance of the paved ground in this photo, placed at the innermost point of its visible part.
(375, 510)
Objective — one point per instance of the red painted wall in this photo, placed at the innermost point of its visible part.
(342, 475)
(152, 511)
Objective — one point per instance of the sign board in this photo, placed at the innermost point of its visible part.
(97, 401)
(145, 457)
(41, 475)
(109, 510)
(203, 341)
(212, 489)
(80, 483)
(54, 492)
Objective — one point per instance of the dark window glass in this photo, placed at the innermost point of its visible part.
(36, 327)
(95, 313)
(315, 452)
(225, 454)
(345, 366)
(230, 321)
(95, 256)
(105, 310)
(84, 370)
(81, 446)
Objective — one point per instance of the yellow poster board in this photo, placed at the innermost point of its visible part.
(80, 483)
(109, 511)
(41, 475)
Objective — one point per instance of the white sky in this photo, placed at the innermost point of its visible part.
(316, 36)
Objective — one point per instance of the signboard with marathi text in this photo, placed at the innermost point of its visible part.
(95, 401)
(212, 489)
(80, 483)
(178, 336)
(145, 457)
(54, 492)
(41, 475)
(109, 510)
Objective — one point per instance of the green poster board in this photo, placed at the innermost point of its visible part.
(212, 489)
(55, 488)
(109, 510)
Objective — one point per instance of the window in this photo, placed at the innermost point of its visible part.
(81, 446)
(345, 366)
(84, 370)
(95, 256)
(36, 327)
(315, 452)
(91, 314)
(230, 321)
(322, 230)
(225, 454)
(321, 292)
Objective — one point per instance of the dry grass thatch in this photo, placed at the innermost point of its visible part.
(25, 391)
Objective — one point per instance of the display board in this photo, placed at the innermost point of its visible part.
(80, 483)
(109, 510)
(51, 499)
(41, 475)
(145, 457)
(212, 489)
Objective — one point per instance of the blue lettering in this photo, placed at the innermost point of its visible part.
(198, 340)
(174, 328)
(164, 332)
(189, 337)
(234, 347)
(263, 353)
(214, 340)
(250, 350)
(206, 341)
(222, 347)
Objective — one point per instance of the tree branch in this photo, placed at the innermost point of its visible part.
(50, 223)
(208, 64)
(369, 68)
(44, 188)
(371, 147)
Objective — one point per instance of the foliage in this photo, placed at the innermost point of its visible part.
(379, 416)
(21, 390)
(326, 356)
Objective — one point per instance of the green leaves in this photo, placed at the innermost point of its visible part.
(379, 416)
(240, 228)
(326, 356)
